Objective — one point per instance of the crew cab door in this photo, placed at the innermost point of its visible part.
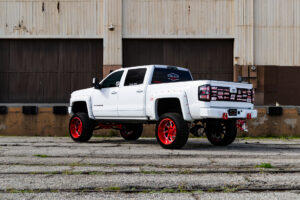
(131, 97)
(105, 100)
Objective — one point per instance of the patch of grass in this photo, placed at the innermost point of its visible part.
(182, 189)
(168, 190)
(211, 190)
(13, 190)
(112, 188)
(149, 172)
(68, 172)
(264, 165)
(41, 155)
(169, 166)
(230, 189)
(96, 173)
(75, 164)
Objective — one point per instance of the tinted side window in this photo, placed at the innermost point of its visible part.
(112, 80)
(135, 77)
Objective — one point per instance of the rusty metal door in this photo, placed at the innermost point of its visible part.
(47, 70)
(206, 58)
(281, 85)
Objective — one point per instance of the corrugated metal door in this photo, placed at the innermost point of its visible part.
(47, 70)
(206, 58)
(281, 85)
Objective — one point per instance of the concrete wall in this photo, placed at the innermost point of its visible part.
(45, 123)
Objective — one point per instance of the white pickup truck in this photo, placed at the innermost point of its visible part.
(166, 95)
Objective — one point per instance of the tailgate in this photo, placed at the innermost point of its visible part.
(230, 94)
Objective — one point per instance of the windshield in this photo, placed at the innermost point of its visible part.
(169, 75)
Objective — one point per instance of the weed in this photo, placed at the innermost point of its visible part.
(182, 189)
(112, 188)
(13, 190)
(41, 155)
(230, 189)
(264, 165)
(211, 190)
(149, 172)
(96, 173)
(168, 190)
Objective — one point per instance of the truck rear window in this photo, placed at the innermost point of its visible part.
(169, 75)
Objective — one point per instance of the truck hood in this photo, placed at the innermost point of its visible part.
(83, 92)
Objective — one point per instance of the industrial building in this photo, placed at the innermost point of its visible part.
(49, 48)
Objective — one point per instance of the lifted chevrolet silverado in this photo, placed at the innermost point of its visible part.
(166, 95)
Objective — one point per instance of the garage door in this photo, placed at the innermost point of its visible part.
(281, 85)
(207, 59)
(47, 70)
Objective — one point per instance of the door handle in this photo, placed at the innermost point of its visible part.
(139, 91)
(113, 92)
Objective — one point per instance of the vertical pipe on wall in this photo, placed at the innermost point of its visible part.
(112, 36)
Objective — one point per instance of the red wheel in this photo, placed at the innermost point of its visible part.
(171, 131)
(167, 131)
(81, 127)
(75, 127)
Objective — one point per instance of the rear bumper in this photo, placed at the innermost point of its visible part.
(218, 113)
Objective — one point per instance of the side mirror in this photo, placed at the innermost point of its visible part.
(95, 83)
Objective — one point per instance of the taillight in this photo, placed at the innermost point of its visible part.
(249, 116)
(253, 95)
(204, 93)
(225, 116)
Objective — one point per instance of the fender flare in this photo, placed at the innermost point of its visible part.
(181, 96)
(88, 102)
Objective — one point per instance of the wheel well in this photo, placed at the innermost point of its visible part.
(168, 105)
(79, 107)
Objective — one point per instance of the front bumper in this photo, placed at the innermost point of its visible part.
(218, 113)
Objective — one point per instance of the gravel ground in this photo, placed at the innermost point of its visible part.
(111, 168)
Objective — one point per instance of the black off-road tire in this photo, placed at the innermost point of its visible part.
(84, 133)
(166, 137)
(131, 131)
(221, 132)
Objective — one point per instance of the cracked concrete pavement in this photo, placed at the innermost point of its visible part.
(111, 168)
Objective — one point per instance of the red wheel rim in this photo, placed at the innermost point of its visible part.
(76, 127)
(167, 131)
